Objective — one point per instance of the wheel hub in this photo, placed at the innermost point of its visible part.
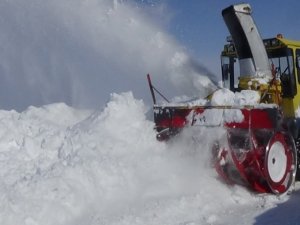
(277, 162)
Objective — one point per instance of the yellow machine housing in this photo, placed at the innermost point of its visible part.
(283, 88)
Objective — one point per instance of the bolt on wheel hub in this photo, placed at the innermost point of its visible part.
(277, 162)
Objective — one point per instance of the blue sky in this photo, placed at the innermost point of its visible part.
(198, 24)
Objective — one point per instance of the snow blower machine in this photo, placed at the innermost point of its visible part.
(262, 146)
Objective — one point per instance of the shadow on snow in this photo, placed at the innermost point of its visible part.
(287, 213)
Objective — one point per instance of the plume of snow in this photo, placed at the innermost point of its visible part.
(80, 51)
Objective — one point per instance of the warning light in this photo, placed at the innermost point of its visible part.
(279, 36)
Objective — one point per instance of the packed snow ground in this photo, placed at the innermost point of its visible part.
(65, 166)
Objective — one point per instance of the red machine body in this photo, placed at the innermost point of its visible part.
(255, 154)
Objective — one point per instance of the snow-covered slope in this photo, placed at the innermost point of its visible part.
(60, 165)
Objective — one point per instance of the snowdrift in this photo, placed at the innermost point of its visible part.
(61, 165)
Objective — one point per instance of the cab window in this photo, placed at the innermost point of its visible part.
(282, 64)
(298, 64)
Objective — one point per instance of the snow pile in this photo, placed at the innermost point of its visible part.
(223, 97)
(229, 98)
(220, 97)
(60, 165)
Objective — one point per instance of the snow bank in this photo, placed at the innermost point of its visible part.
(60, 165)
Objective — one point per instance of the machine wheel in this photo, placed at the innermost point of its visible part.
(280, 163)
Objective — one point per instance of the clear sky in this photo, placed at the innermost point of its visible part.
(199, 26)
